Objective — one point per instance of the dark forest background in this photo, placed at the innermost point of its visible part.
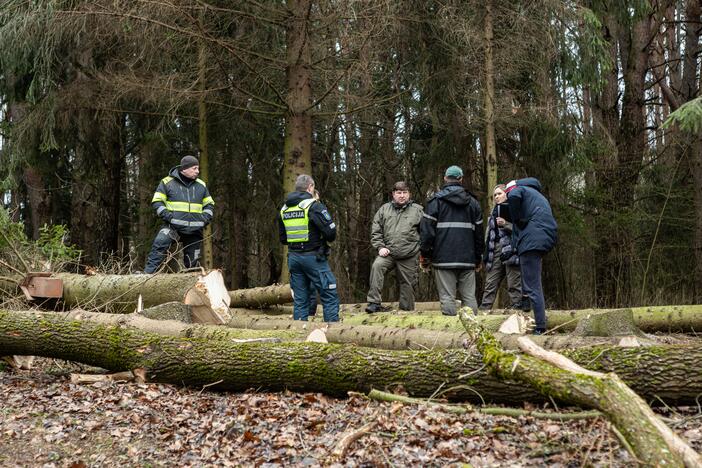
(99, 99)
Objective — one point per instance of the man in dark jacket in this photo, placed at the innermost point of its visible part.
(184, 204)
(305, 226)
(395, 236)
(452, 241)
(535, 233)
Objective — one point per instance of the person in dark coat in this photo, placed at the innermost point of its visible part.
(500, 259)
(535, 233)
(306, 227)
(451, 240)
(185, 206)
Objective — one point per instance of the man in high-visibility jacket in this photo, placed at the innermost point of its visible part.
(306, 226)
(184, 204)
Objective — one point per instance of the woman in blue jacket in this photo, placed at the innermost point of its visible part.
(535, 233)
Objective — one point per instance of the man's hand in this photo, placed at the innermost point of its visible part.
(478, 267)
(383, 252)
(500, 221)
(424, 263)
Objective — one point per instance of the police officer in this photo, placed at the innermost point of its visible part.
(306, 226)
(184, 204)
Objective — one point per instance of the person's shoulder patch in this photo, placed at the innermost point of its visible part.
(326, 215)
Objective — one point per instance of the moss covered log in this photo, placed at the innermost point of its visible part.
(170, 327)
(555, 376)
(669, 372)
(119, 293)
(667, 319)
(261, 297)
(388, 337)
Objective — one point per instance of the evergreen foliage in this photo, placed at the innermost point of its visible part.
(599, 100)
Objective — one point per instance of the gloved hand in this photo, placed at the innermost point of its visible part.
(167, 217)
(424, 263)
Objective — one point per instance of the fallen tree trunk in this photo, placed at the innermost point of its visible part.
(169, 327)
(678, 319)
(387, 337)
(261, 297)
(435, 308)
(120, 293)
(555, 376)
(671, 373)
(168, 319)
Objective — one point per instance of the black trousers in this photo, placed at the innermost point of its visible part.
(192, 248)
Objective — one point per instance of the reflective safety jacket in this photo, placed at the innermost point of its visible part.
(305, 225)
(296, 221)
(183, 203)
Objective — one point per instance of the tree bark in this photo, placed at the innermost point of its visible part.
(174, 319)
(669, 319)
(203, 140)
(490, 145)
(668, 372)
(556, 376)
(261, 297)
(298, 121)
(120, 293)
(95, 186)
(410, 337)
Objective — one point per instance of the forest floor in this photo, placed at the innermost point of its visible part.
(47, 421)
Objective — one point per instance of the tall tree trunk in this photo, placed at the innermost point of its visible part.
(96, 185)
(152, 167)
(239, 221)
(298, 121)
(204, 148)
(297, 151)
(693, 30)
(490, 146)
(631, 145)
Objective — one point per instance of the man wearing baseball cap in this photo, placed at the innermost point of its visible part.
(185, 206)
(452, 241)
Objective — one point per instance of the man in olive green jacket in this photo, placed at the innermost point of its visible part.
(395, 236)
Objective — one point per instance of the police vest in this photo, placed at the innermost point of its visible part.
(297, 221)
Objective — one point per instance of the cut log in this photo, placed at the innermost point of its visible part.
(261, 297)
(610, 323)
(388, 337)
(675, 319)
(209, 299)
(126, 376)
(119, 293)
(19, 362)
(556, 376)
(170, 327)
(671, 373)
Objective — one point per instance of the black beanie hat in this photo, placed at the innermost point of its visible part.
(188, 161)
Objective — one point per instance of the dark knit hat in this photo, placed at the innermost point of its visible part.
(188, 161)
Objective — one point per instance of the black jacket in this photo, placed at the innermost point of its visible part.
(535, 228)
(452, 229)
(183, 203)
(322, 227)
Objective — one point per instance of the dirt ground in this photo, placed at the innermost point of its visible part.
(47, 421)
